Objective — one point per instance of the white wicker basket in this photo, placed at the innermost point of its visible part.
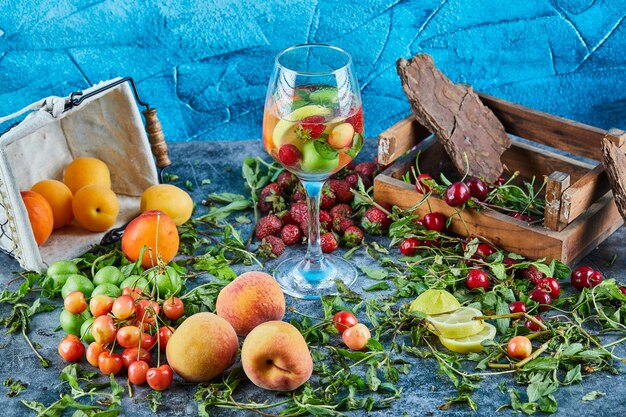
(107, 126)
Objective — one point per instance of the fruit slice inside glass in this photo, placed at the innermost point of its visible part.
(313, 126)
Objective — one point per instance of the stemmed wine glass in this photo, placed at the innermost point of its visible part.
(313, 126)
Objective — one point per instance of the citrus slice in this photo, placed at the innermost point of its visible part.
(435, 302)
(458, 323)
(471, 343)
(285, 130)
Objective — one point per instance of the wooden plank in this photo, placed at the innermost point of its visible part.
(583, 193)
(590, 229)
(399, 139)
(558, 132)
(557, 182)
(504, 231)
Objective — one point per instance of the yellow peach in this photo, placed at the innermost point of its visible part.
(85, 171)
(59, 197)
(169, 199)
(275, 356)
(251, 299)
(95, 208)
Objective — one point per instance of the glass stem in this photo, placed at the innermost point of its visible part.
(313, 193)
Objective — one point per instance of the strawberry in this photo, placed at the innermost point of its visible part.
(291, 234)
(353, 180)
(271, 199)
(375, 221)
(341, 189)
(304, 227)
(326, 220)
(341, 210)
(299, 212)
(328, 242)
(328, 198)
(532, 274)
(271, 247)
(314, 124)
(268, 226)
(369, 169)
(356, 120)
(353, 236)
(286, 181)
(286, 217)
(298, 195)
(340, 224)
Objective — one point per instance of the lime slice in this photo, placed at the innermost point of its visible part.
(285, 130)
(435, 302)
(457, 324)
(471, 343)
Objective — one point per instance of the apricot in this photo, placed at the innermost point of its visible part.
(40, 215)
(170, 199)
(341, 136)
(251, 299)
(95, 208)
(59, 196)
(146, 230)
(85, 171)
(202, 347)
(276, 357)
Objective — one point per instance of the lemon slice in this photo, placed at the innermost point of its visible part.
(285, 130)
(471, 343)
(458, 323)
(435, 302)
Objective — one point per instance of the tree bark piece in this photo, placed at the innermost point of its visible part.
(614, 162)
(455, 114)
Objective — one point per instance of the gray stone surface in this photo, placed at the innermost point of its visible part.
(423, 389)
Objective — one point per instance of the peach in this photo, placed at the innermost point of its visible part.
(170, 199)
(275, 356)
(40, 215)
(157, 232)
(251, 299)
(59, 197)
(202, 347)
(95, 208)
(85, 171)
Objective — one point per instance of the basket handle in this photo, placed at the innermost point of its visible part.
(53, 105)
(156, 138)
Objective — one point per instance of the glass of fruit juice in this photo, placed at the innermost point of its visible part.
(313, 126)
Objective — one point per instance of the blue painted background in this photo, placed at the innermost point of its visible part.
(205, 64)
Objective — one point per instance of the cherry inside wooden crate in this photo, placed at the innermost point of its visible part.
(580, 210)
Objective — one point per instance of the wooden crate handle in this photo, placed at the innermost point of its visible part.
(557, 183)
(399, 139)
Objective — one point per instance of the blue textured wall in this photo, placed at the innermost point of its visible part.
(205, 64)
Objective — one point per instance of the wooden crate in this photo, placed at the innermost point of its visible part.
(580, 210)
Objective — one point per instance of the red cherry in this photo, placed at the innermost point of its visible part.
(510, 262)
(457, 194)
(517, 307)
(289, 155)
(585, 277)
(420, 186)
(543, 298)
(484, 250)
(532, 326)
(477, 278)
(500, 182)
(435, 221)
(551, 286)
(477, 188)
(623, 290)
(408, 246)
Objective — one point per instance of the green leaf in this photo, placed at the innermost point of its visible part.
(499, 271)
(379, 286)
(573, 375)
(324, 150)
(502, 307)
(593, 395)
(371, 378)
(374, 273)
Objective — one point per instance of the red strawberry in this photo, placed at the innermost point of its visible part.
(268, 226)
(298, 196)
(375, 221)
(341, 224)
(286, 181)
(315, 124)
(532, 274)
(270, 199)
(328, 198)
(341, 210)
(369, 169)
(291, 234)
(286, 218)
(341, 189)
(299, 212)
(325, 220)
(304, 227)
(356, 120)
(328, 242)
(353, 180)
(271, 247)
(353, 236)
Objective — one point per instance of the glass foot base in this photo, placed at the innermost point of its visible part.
(302, 278)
